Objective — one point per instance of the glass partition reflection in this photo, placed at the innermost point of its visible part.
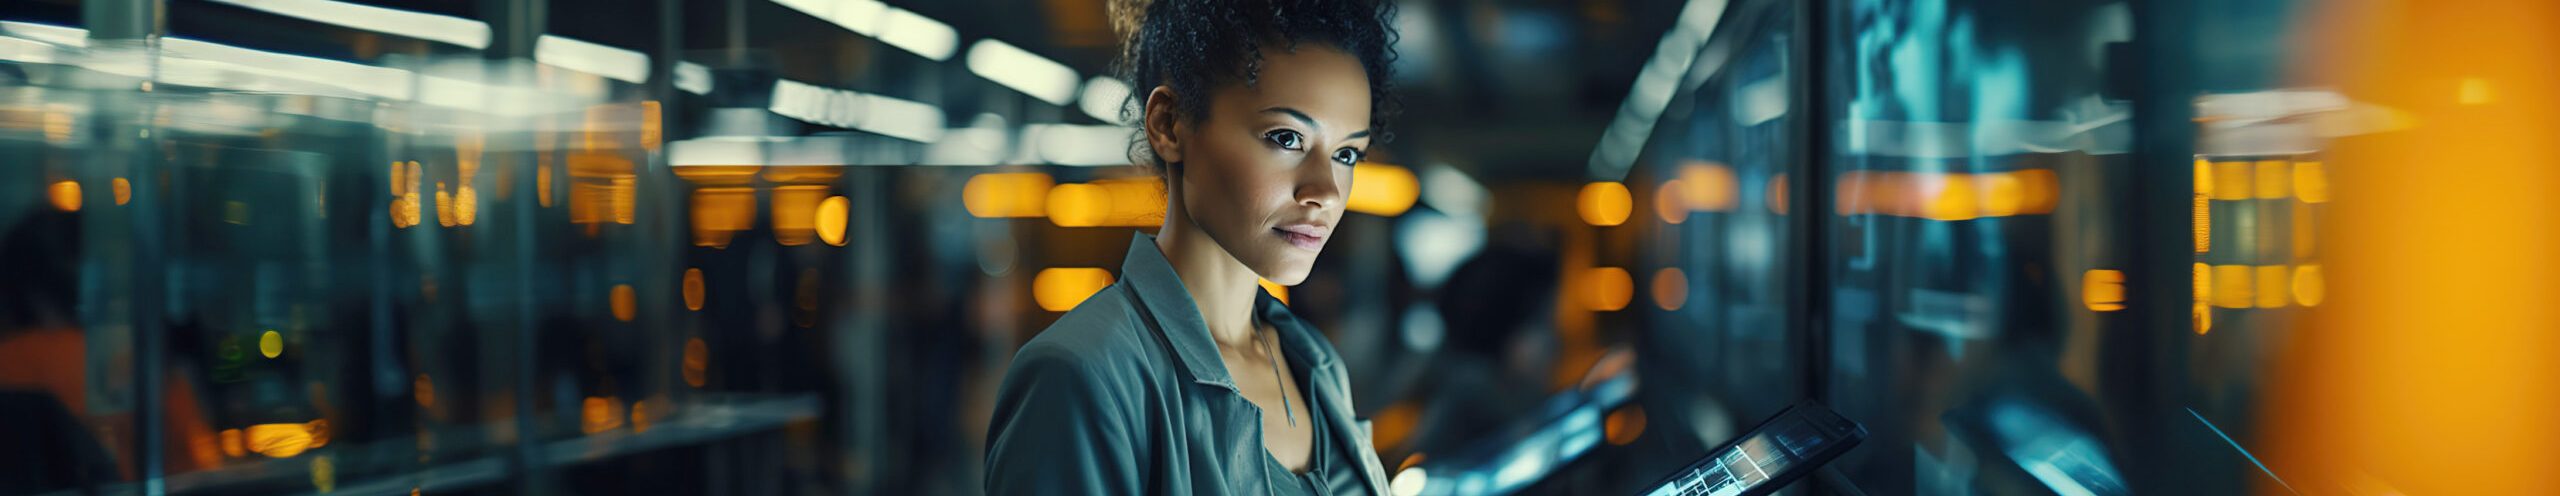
(223, 291)
(1975, 243)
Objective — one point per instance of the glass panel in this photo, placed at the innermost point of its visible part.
(68, 364)
(1976, 237)
(1717, 176)
(307, 290)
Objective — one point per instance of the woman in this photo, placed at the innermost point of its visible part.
(1184, 377)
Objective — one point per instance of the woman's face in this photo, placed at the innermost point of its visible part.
(1266, 173)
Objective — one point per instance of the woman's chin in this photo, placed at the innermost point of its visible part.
(1288, 272)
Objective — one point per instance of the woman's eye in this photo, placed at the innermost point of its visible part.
(1285, 138)
(1347, 156)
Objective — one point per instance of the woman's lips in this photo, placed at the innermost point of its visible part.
(1308, 237)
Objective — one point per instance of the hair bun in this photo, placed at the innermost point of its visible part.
(1127, 18)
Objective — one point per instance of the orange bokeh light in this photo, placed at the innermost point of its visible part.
(1624, 425)
(65, 195)
(1670, 288)
(1605, 203)
(1131, 202)
(1062, 288)
(693, 296)
(1382, 190)
(1607, 289)
(626, 306)
(1007, 194)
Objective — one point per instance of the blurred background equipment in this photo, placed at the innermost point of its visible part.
(2074, 247)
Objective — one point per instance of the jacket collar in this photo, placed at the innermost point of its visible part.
(1295, 334)
(1160, 292)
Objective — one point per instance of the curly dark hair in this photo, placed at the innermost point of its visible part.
(1194, 45)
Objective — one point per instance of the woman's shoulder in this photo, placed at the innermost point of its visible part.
(1102, 338)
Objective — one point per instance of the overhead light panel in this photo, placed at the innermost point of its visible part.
(897, 27)
(1654, 88)
(592, 58)
(1023, 71)
(431, 27)
(918, 34)
(1103, 98)
(1071, 144)
(693, 78)
(894, 117)
(58, 35)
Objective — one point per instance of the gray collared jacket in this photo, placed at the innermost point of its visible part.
(1126, 394)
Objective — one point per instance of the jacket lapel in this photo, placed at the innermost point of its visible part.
(1176, 323)
(1160, 295)
(1166, 305)
(1334, 385)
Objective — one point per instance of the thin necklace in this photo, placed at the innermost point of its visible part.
(1269, 354)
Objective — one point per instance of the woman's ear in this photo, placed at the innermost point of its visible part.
(1163, 119)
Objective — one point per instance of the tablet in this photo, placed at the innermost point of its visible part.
(1779, 450)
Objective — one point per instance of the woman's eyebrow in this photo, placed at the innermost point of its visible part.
(1310, 122)
(1294, 114)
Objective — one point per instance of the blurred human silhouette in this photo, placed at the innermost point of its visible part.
(53, 440)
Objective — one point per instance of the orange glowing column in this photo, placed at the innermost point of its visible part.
(2429, 367)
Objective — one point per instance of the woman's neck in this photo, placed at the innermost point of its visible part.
(1221, 287)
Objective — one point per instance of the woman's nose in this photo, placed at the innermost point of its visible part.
(1320, 184)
